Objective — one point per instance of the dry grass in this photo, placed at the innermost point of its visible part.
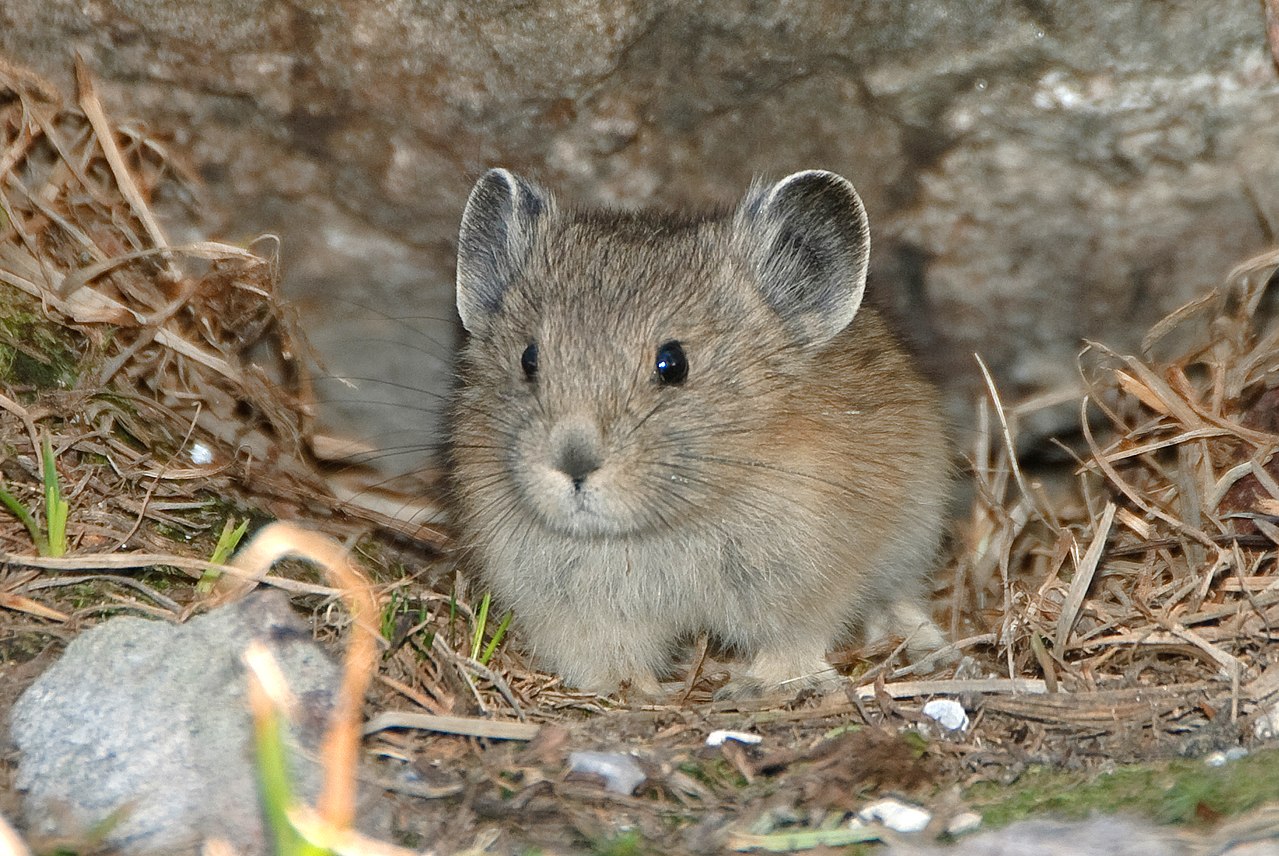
(1122, 613)
(153, 340)
(1155, 569)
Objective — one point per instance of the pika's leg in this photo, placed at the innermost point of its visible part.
(599, 659)
(784, 670)
(907, 619)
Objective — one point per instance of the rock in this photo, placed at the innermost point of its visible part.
(1035, 173)
(1099, 836)
(619, 771)
(150, 719)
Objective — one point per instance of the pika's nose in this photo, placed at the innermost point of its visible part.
(578, 457)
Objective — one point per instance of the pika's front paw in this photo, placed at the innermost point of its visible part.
(783, 674)
(643, 688)
(748, 687)
(909, 621)
(634, 687)
(743, 688)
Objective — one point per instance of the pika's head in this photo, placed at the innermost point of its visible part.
(625, 373)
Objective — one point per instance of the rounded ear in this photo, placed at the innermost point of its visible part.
(808, 240)
(498, 226)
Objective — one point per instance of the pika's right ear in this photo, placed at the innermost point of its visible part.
(497, 231)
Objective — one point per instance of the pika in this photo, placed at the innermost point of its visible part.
(667, 425)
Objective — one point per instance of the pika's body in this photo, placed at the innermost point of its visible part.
(668, 425)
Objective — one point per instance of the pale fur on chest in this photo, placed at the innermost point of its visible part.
(609, 610)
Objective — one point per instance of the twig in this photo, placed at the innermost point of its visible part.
(910, 689)
(129, 582)
(1126, 489)
(924, 664)
(125, 561)
(464, 725)
(21, 412)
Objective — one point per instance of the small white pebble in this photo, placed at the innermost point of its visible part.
(1221, 759)
(896, 815)
(620, 772)
(201, 455)
(948, 713)
(719, 735)
(963, 823)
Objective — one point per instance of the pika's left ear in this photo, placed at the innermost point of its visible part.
(808, 241)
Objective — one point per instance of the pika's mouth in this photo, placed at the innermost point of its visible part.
(567, 479)
(578, 507)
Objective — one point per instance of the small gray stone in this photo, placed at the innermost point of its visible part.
(151, 719)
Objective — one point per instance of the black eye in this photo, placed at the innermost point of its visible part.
(528, 361)
(671, 364)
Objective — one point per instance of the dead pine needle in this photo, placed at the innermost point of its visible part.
(1005, 432)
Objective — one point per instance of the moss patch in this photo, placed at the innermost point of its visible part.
(35, 353)
(1171, 792)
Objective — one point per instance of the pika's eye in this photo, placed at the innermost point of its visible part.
(528, 361)
(671, 364)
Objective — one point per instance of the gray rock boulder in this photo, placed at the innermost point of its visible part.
(1096, 836)
(150, 720)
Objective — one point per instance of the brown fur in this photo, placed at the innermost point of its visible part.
(787, 493)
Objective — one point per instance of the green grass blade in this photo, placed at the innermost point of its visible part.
(11, 503)
(497, 638)
(481, 619)
(276, 787)
(389, 614)
(58, 513)
(228, 540)
(56, 508)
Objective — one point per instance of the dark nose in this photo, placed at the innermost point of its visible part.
(578, 458)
